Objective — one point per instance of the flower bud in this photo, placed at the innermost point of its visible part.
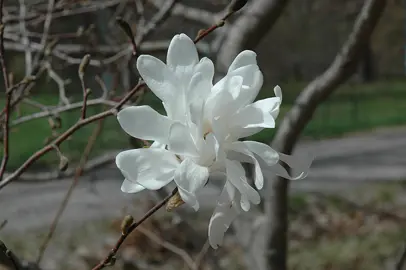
(83, 65)
(126, 223)
(174, 202)
(63, 163)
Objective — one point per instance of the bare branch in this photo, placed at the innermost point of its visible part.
(8, 98)
(110, 258)
(81, 123)
(59, 81)
(293, 123)
(247, 31)
(24, 40)
(169, 246)
(190, 13)
(78, 173)
(402, 260)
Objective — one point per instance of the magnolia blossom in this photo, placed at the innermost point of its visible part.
(199, 136)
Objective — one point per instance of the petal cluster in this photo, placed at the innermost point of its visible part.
(199, 135)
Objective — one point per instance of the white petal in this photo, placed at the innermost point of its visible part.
(236, 175)
(131, 187)
(190, 177)
(152, 168)
(250, 120)
(242, 148)
(278, 93)
(180, 140)
(208, 151)
(182, 55)
(199, 88)
(252, 83)
(159, 78)
(244, 58)
(145, 123)
(157, 145)
(301, 164)
(264, 151)
(224, 214)
(206, 67)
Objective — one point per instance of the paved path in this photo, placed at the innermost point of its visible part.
(380, 156)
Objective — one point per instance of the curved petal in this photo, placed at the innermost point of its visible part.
(297, 164)
(224, 214)
(278, 93)
(152, 168)
(249, 120)
(131, 187)
(190, 177)
(145, 123)
(244, 58)
(264, 151)
(206, 67)
(159, 78)
(236, 175)
(182, 55)
(243, 149)
(199, 87)
(252, 83)
(180, 140)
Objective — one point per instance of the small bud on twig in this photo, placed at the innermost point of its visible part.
(83, 65)
(112, 261)
(51, 46)
(88, 91)
(174, 202)
(51, 123)
(128, 31)
(63, 163)
(126, 223)
(29, 79)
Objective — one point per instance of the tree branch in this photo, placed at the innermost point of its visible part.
(257, 19)
(345, 63)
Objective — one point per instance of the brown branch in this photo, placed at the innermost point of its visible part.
(8, 97)
(78, 173)
(82, 69)
(402, 260)
(111, 255)
(345, 63)
(81, 123)
(169, 246)
(202, 253)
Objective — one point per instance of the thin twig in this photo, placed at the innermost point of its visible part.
(402, 260)
(59, 81)
(3, 224)
(81, 123)
(169, 246)
(200, 256)
(111, 255)
(8, 97)
(78, 173)
(24, 38)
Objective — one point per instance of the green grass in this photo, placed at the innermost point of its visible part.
(351, 108)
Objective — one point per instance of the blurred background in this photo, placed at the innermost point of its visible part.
(350, 213)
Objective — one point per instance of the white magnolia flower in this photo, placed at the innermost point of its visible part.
(199, 135)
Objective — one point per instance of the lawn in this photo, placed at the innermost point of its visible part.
(354, 107)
